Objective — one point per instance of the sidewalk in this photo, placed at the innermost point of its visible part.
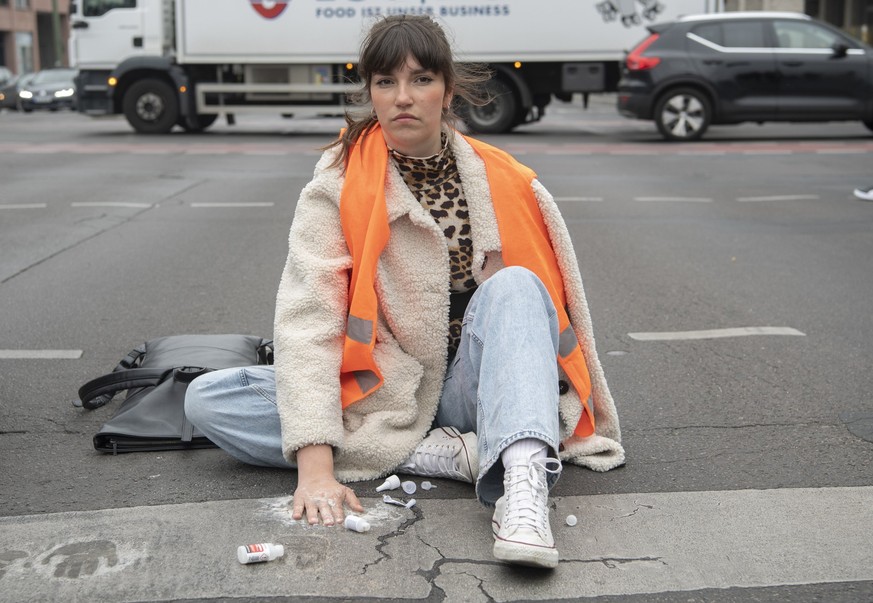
(623, 545)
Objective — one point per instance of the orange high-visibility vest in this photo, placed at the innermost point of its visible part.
(524, 242)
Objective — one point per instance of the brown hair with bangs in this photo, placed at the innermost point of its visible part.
(390, 41)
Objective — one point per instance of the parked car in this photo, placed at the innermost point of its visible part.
(51, 89)
(735, 67)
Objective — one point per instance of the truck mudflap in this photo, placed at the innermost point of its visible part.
(94, 95)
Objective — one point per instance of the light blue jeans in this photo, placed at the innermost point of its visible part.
(501, 384)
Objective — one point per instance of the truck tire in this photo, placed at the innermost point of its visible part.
(683, 114)
(500, 115)
(151, 106)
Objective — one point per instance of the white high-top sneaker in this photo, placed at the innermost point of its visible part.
(522, 534)
(445, 452)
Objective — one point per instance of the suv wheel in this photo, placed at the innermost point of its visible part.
(683, 114)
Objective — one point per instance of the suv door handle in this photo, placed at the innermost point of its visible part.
(79, 25)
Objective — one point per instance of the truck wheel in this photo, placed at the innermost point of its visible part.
(500, 115)
(683, 114)
(151, 106)
(869, 125)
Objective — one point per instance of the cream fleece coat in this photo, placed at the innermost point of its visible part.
(372, 437)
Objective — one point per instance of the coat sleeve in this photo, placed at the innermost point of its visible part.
(602, 450)
(310, 320)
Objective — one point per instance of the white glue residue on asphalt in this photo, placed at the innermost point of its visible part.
(279, 509)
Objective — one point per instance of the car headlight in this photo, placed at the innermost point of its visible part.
(25, 94)
(66, 92)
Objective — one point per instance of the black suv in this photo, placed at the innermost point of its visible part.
(734, 67)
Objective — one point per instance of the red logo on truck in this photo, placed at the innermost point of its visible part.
(269, 8)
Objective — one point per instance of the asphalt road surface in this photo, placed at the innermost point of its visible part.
(729, 283)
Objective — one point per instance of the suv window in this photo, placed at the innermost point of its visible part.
(733, 34)
(743, 34)
(793, 34)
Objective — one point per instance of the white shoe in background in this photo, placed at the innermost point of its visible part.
(445, 452)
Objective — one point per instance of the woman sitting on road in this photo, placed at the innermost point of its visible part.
(430, 318)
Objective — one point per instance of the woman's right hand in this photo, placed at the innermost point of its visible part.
(318, 495)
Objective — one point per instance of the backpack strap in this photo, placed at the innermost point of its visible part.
(99, 391)
(265, 352)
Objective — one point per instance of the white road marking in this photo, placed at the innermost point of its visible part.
(674, 199)
(259, 152)
(569, 199)
(715, 333)
(23, 205)
(111, 204)
(842, 151)
(40, 354)
(777, 198)
(254, 204)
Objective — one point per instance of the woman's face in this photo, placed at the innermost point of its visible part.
(409, 103)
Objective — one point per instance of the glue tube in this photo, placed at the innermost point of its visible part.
(357, 524)
(255, 553)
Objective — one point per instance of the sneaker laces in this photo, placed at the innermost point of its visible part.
(527, 494)
(437, 460)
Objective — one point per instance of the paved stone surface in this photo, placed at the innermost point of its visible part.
(628, 544)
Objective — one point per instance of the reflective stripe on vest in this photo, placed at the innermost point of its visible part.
(363, 213)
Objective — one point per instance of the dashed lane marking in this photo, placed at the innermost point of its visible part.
(23, 205)
(579, 199)
(842, 151)
(674, 199)
(777, 198)
(40, 354)
(111, 204)
(220, 205)
(715, 333)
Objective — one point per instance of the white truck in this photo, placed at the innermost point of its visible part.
(164, 63)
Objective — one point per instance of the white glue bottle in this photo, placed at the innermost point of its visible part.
(356, 524)
(255, 553)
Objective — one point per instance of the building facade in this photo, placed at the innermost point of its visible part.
(34, 34)
(855, 16)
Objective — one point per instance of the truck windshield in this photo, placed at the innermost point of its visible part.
(95, 8)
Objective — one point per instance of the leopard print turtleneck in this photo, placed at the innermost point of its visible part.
(436, 184)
